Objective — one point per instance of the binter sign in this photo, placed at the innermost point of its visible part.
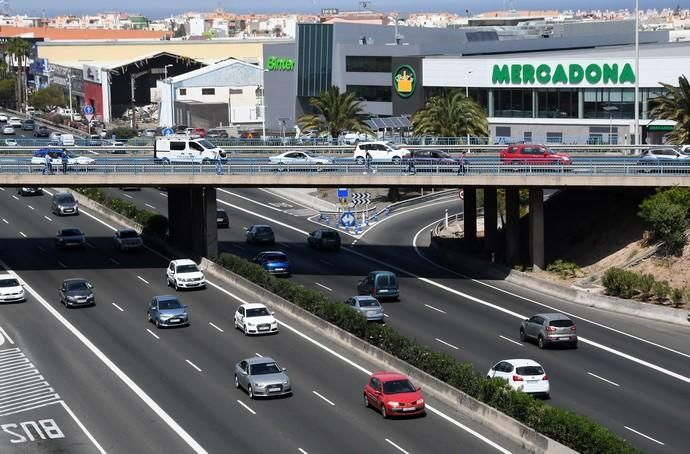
(280, 64)
(573, 74)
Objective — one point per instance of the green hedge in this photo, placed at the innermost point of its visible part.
(627, 284)
(564, 426)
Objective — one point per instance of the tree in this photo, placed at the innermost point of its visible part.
(7, 92)
(667, 218)
(451, 114)
(337, 112)
(674, 104)
(18, 49)
(180, 32)
(48, 98)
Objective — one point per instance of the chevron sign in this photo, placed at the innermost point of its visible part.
(359, 198)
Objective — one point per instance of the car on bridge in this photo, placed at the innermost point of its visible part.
(255, 318)
(260, 233)
(367, 306)
(379, 151)
(533, 154)
(393, 394)
(11, 290)
(324, 239)
(10, 143)
(56, 154)
(166, 310)
(274, 262)
(523, 375)
(77, 292)
(442, 160)
(70, 237)
(126, 239)
(299, 157)
(184, 273)
(262, 377)
(663, 159)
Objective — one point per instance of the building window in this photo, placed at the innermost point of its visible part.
(510, 102)
(315, 59)
(208, 91)
(554, 137)
(609, 103)
(371, 92)
(527, 136)
(367, 64)
(183, 92)
(557, 103)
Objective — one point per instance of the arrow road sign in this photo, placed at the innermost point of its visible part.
(88, 112)
(360, 198)
(168, 132)
(347, 219)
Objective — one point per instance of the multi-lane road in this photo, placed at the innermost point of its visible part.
(628, 373)
(101, 379)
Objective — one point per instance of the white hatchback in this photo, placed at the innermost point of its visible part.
(11, 290)
(255, 318)
(523, 375)
(184, 273)
(380, 151)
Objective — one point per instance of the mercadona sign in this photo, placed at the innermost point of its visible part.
(563, 74)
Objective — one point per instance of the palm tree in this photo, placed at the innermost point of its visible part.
(18, 49)
(674, 104)
(451, 114)
(338, 112)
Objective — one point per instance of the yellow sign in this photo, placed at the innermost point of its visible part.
(404, 81)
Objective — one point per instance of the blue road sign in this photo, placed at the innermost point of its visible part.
(342, 193)
(88, 109)
(347, 219)
(168, 132)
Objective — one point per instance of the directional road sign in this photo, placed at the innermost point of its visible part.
(342, 193)
(88, 112)
(347, 219)
(168, 132)
(360, 198)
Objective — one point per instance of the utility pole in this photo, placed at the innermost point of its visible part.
(132, 78)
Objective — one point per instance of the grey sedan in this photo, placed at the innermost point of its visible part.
(77, 292)
(166, 310)
(262, 377)
(367, 306)
(70, 237)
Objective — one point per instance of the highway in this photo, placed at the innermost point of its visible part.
(138, 389)
(628, 373)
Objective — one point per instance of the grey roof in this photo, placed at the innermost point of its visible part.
(389, 122)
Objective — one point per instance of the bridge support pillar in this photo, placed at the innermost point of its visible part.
(470, 218)
(192, 220)
(490, 221)
(512, 227)
(536, 228)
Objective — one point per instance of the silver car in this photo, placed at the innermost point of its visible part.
(262, 377)
(367, 306)
(549, 329)
(166, 310)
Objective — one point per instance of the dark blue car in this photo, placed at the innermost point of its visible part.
(275, 262)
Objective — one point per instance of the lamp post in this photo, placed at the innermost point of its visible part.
(610, 110)
(165, 70)
(69, 91)
(262, 107)
(637, 72)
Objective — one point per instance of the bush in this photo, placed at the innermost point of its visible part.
(563, 268)
(666, 212)
(618, 282)
(661, 290)
(645, 284)
(123, 132)
(677, 295)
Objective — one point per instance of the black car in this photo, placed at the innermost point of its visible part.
(29, 190)
(41, 131)
(222, 220)
(324, 239)
(260, 234)
(76, 292)
(436, 158)
(70, 237)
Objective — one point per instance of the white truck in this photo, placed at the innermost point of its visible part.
(182, 148)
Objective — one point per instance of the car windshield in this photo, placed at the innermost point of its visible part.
(275, 257)
(368, 303)
(264, 369)
(65, 199)
(79, 285)
(187, 269)
(311, 154)
(529, 370)
(9, 282)
(169, 304)
(71, 232)
(206, 144)
(263, 230)
(398, 386)
(329, 234)
(258, 312)
(128, 234)
(561, 323)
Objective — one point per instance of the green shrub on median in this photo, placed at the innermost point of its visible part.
(564, 426)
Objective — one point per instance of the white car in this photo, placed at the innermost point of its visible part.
(380, 151)
(184, 273)
(353, 138)
(255, 318)
(299, 157)
(524, 375)
(15, 122)
(7, 130)
(10, 289)
(10, 142)
(3, 118)
(56, 158)
(76, 117)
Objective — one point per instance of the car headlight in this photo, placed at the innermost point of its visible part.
(393, 404)
(259, 385)
(164, 316)
(286, 381)
(274, 322)
(419, 401)
(251, 324)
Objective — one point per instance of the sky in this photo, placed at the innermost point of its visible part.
(171, 7)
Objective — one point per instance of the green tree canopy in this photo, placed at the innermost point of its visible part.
(48, 98)
(337, 113)
(666, 212)
(674, 104)
(451, 114)
(7, 92)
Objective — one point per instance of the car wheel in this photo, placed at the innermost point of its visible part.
(237, 382)
(383, 411)
(244, 329)
(540, 342)
(250, 392)
(175, 284)
(522, 335)
(167, 281)
(396, 160)
(573, 345)
(366, 401)
(359, 160)
(157, 322)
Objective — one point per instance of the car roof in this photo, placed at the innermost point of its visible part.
(521, 362)
(259, 360)
(272, 252)
(165, 298)
(253, 305)
(69, 228)
(388, 376)
(363, 297)
(184, 262)
(7, 276)
(381, 272)
(74, 280)
(261, 225)
(126, 229)
(554, 316)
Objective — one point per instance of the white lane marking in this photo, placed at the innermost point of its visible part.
(15, 197)
(142, 279)
(150, 206)
(5, 221)
(210, 323)
(248, 200)
(603, 379)
(285, 198)
(5, 336)
(62, 264)
(31, 208)
(386, 315)
(383, 218)
(2, 189)
(82, 427)
(163, 194)
(128, 196)
(119, 308)
(319, 395)
(98, 220)
(446, 343)
(524, 298)
(302, 451)
(114, 261)
(22, 234)
(152, 333)
(259, 355)
(643, 435)
(435, 308)
(396, 446)
(246, 406)
(323, 286)
(48, 219)
(47, 192)
(193, 365)
(326, 262)
(510, 340)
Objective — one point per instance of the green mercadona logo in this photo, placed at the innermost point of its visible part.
(404, 81)
(593, 73)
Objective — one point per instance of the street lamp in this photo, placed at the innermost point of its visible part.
(165, 70)
(69, 91)
(637, 72)
(610, 110)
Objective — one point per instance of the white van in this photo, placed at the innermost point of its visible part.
(182, 148)
(67, 140)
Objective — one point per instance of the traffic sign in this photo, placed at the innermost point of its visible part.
(88, 112)
(360, 198)
(347, 219)
(342, 193)
(168, 132)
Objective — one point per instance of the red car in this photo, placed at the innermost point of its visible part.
(201, 132)
(393, 394)
(533, 154)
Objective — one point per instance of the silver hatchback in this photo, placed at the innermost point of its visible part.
(549, 329)
(262, 377)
